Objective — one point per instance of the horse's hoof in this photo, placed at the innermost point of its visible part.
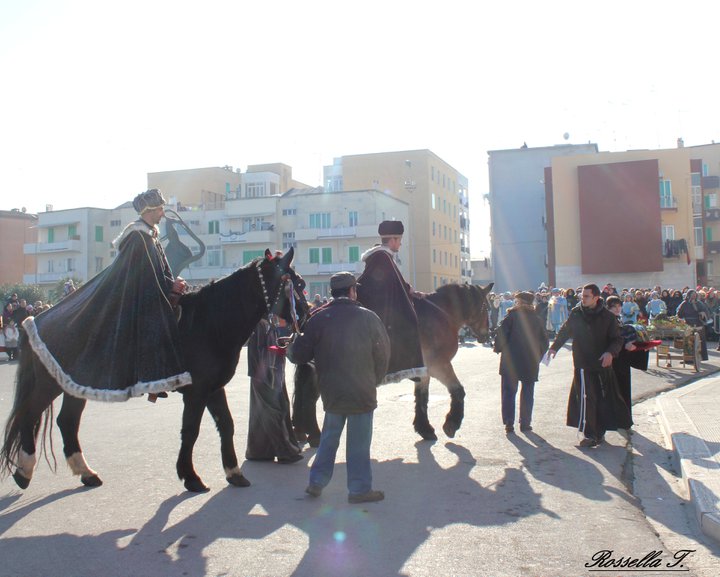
(238, 480)
(314, 441)
(22, 482)
(450, 429)
(91, 481)
(196, 486)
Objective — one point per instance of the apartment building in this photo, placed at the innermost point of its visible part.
(518, 219)
(16, 229)
(437, 235)
(635, 218)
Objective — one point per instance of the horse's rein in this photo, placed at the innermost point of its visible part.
(284, 342)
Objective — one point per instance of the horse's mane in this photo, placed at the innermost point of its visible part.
(454, 297)
(216, 287)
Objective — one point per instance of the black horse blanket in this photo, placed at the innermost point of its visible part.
(383, 290)
(117, 336)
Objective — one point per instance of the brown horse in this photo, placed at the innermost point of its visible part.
(440, 316)
(215, 324)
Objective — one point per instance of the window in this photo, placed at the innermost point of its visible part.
(711, 200)
(288, 236)
(698, 235)
(273, 189)
(70, 265)
(115, 223)
(287, 245)
(289, 240)
(289, 211)
(668, 233)
(249, 255)
(98, 263)
(326, 255)
(434, 255)
(51, 234)
(432, 173)
(314, 256)
(255, 189)
(432, 200)
(214, 227)
(433, 228)
(51, 266)
(666, 199)
(320, 220)
(72, 231)
(435, 282)
(353, 218)
(353, 254)
(98, 234)
(214, 256)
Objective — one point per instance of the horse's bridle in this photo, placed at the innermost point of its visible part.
(269, 304)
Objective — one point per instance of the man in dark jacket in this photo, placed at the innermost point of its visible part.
(595, 404)
(351, 350)
(521, 340)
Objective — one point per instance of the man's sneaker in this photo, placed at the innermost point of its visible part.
(314, 490)
(588, 442)
(369, 497)
(525, 428)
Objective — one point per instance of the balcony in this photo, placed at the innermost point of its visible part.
(251, 207)
(336, 232)
(70, 245)
(712, 247)
(712, 214)
(668, 203)
(251, 236)
(710, 182)
(314, 269)
(48, 277)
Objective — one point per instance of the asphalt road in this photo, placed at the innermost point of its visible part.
(481, 504)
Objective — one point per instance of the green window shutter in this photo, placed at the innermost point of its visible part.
(708, 234)
(249, 255)
(354, 254)
(314, 256)
(72, 230)
(98, 234)
(326, 255)
(51, 234)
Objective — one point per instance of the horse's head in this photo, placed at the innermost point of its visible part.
(478, 321)
(283, 288)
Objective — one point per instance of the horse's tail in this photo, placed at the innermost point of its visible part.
(25, 386)
(305, 398)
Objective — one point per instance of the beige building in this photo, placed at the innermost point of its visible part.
(636, 218)
(437, 238)
(16, 228)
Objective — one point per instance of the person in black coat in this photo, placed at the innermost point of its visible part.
(595, 405)
(521, 340)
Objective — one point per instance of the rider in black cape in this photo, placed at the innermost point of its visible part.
(117, 336)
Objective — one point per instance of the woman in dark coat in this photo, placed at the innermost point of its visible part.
(521, 341)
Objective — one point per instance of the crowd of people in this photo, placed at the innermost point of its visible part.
(15, 311)
(607, 341)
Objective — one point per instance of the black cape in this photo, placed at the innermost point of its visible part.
(382, 289)
(116, 337)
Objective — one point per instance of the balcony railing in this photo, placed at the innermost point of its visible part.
(70, 245)
(709, 182)
(712, 214)
(668, 202)
(248, 237)
(712, 247)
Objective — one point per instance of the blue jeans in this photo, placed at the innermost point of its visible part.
(509, 389)
(359, 436)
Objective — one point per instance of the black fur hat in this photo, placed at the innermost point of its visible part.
(391, 228)
(148, 200)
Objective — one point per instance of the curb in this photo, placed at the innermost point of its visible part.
(700, 471)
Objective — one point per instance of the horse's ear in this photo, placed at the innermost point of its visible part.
(488, 288)
(287, 259)
(268, 254)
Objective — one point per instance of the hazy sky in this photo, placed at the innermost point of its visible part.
(96, 94)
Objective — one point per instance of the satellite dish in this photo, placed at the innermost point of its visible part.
(566, 135)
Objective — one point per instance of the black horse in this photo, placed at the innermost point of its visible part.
(440, 316)
(216, 322)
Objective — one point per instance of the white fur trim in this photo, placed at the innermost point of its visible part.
(377, 248)
(419, 372)
(138, 225)
(107, 395)
(26, 464)
(78, 465)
